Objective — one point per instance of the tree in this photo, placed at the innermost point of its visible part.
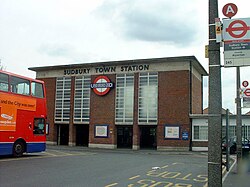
(1, 66)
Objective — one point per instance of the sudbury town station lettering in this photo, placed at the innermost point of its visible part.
(107, 69)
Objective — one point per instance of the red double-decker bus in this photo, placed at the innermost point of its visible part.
(23, 115)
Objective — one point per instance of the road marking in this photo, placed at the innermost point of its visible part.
(44, 155)
(177, 163)
(113, 184)
(50, 154)
(164, 166)
(134, 177)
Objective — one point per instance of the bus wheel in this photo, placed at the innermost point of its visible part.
(18, 149)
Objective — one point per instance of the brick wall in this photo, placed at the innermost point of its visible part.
(50, 85)
(173, 105)
(197, 100)
(102, 111)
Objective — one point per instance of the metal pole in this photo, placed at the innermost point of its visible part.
(238, 121)
(227, 135)
(215, 106)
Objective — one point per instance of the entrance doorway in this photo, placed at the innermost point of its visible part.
(124, 137)
(63, 134)
(148, 137)
(82, 135)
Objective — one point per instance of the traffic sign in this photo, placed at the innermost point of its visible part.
(236, 34)
(237, 29)
(247, 92)
(218, 30)
(229, 10)
(245, 84)
(246, 102)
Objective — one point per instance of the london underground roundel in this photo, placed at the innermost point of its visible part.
(101, 85)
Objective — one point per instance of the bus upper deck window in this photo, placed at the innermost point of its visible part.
(37, 89)
(20, 86)
(4, 86)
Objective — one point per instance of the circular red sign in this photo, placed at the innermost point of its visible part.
(247, 92)
(101, 85)
(229, 10)
(239, 30)
(245, 83)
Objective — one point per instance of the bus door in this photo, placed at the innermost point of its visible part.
(37, 128)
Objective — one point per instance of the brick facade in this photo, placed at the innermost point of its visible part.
(179, 95)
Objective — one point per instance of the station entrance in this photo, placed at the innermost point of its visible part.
(148, 137)
(82, 135)
(124, 136)
(63, 134)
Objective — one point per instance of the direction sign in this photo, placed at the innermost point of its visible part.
(246, 102)
(236, 34)
(229, 10)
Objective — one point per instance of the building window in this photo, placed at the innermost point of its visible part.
(124, 98)
(148, 98)
(246, 131)
(63, 92)
(200, 133)
(231, 131)
(82, 99)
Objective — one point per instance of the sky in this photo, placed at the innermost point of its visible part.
(36, 33)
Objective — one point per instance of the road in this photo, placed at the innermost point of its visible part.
(72, 166)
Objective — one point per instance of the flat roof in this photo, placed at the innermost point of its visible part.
(191, 59)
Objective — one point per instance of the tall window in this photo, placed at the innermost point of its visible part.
(148, 98)
(124, 98)
(63, 90)
(82, 99)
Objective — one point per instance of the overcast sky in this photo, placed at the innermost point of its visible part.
(56, 32)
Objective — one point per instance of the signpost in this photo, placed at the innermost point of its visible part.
(245, 84)
(247, 92)
(229, 10)
(236, 33)
(214, 104)
(246, 96)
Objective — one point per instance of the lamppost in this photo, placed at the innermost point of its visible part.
(215, 105)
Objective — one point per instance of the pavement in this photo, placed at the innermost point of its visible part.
(239, 174)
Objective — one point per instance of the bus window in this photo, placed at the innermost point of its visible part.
(39, 125)
(37, 89)
(20, 86)
(4, 86)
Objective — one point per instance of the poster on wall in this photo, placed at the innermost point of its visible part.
(101, 131)
(172, 132)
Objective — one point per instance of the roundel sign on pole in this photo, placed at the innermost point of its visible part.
(230, 10)
(101, 85)
(237, 29)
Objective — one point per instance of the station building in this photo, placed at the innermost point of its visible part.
(135, 104)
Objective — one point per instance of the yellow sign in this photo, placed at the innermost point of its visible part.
(206, 51)
(9, 104)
